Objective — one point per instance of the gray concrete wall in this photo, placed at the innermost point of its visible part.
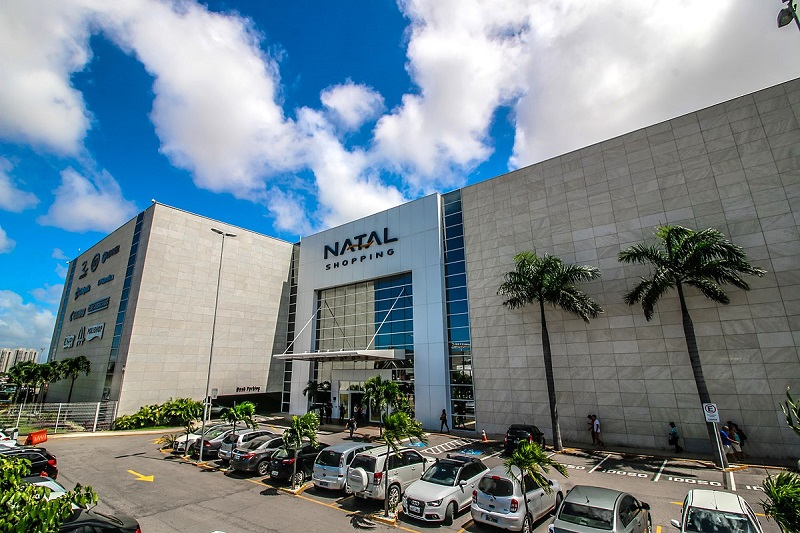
(735, 167)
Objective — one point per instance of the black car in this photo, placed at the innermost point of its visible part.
(281, 465)
(520, 432)
(256, 454)
(83, 520)
(43, 462)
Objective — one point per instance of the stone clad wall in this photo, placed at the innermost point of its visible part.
(735, 167)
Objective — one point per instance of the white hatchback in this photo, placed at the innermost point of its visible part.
(715, 510)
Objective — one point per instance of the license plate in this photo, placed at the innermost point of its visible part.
(490, 518)
(414, 509)
(323, 483)
(275, 473)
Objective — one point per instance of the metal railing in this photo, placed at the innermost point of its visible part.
(58, 417)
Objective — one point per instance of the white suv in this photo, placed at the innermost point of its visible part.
(365, 475)
(715, 510)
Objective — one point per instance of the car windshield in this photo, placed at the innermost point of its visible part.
(496, 486)
(587, 515)
(367, 462)
(703, 520)
(329, 458)
(230, 439)
(442, 473)
(214, 433)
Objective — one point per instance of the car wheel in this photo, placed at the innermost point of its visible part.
(559, 497)
(263, 468)
(527, 525)
(448, 514)
(299, 478)
(394, 496)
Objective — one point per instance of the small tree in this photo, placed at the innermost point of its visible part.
(242, 412)
(303, 428)
(783, 504)
(398, 426)
(184, 410)
(48, 373)
(530, 459)
(380, 394)
(25, 507)
(25, 375)
(73, 367)
(547, 280)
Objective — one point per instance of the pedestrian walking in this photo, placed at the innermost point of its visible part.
(727, 444)
(342, 412)
(351, 425)
(443, 421)
(328, 412)
(596, 432)
(741, 437)
(674, 437)
(591, 428)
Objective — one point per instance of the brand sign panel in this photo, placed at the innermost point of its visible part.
(99, 305)
(69, 341)
(95, 331)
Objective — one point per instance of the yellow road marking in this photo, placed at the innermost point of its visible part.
(464, 528)
(141, 477)
(658, 529)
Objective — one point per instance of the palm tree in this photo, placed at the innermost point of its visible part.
(25, 375)
(48, 373)
(185, 410)
(72, 367)
(242, 412)
(547, 280)
(531, 460)
(683, 257)
(303, 428)
(380, 394)
(398, 427)
(783, 504)
(792, 411)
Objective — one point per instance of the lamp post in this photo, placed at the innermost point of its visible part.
(211, 350)
(787, 14)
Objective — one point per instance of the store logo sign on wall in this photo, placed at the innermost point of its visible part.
(99, 305)
(105, 280)
(95, 331)
(69, 341)
(78, 313)
(80, 291)
(358, 244)
(81, 336)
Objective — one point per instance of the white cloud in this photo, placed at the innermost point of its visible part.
(41, 44)
(11, 198)
(50, 294)
(61, 270)
(351, 104)
(289, 211)
(24, 325)
(6, 244)
(58, 253)
(88, 205)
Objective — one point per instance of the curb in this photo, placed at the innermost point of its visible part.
(390, 520)
(298, 490)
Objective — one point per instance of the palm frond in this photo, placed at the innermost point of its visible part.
(531, 459)
(710, 290)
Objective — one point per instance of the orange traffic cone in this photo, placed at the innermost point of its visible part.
(483, 436)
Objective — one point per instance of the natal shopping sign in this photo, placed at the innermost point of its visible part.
(359, 243)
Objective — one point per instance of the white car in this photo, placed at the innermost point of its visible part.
(186, 443)
(499, 501)
(6, 439)
(715, 510)
(444, 489)
(365, 475)
(239, 440)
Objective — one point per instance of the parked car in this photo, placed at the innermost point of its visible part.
(43, 462)
(595, 509)
(715, 510)
(238, 439)
(211, 442)
(256, 454)
(280, 467)
(516, 433)
(7, 437)
(218, 410)
(499, 501)
(330, 466)
(57, 490)
(365, 475)
(83, 520)
(185, 442)
(444, 490)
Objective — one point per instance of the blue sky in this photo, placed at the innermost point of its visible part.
(288, 117)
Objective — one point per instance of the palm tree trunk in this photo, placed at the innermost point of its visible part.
(551, 384)
(69, 398)
(697, 370)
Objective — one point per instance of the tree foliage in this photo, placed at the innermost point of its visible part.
(531, 459)
(302, 428)
(546, 280)
(242, 412)
(397, 427)
(792, 411)
(381, 394)
(25, 507)
(783, 500)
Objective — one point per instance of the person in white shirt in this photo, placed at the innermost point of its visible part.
(596, 431)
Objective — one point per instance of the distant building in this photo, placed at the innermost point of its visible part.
(9, 357)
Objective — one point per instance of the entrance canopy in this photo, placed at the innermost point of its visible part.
(345, 355)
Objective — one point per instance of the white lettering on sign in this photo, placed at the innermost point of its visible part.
(622, 473)
(95, 331)
(710, 410)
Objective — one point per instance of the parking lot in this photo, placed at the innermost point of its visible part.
(181, 497)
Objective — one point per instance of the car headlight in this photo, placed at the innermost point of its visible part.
(435, 503)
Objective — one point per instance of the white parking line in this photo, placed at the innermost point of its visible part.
(447, 446)
(598, 464)
(658, 476)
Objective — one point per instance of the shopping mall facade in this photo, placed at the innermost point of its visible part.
(411, 294)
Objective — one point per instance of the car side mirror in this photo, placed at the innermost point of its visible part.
(462, 482)
(675, 523)
(550, 482)
(646, 506)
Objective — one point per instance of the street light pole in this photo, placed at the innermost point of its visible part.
(211, 350)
